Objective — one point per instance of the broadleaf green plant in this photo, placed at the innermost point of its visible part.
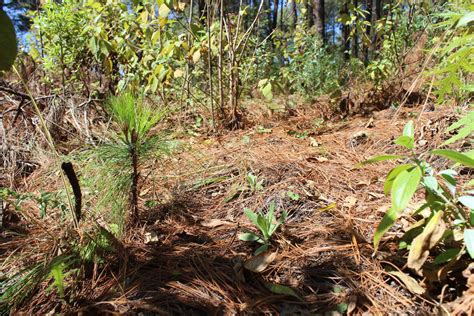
(267, 224)
(447, 214)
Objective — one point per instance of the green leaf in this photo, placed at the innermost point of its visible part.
(293, 196)
(466, 19)
(58, 277)
(467, 201)
(469, 241)
(263, 224)
(252, 216)
(409, 130)
(455, 156)
(249, 237)
(431, 183)
(8, 44)
(261, 249)
(393, 174)
(465, 128)
(405, 141)
(446, 256)
(267, 91)
(379, 158)
(387, 221)
(281, 289)
(404, 187)
(164, 11)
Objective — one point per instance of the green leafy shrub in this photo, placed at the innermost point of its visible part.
(455, 70)
(313, 70)
(59, 41)
(446, 218)
(266, 223)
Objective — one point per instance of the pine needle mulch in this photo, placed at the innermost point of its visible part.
(186, 258)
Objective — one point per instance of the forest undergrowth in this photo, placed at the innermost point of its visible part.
(216, 157)
(185, 256)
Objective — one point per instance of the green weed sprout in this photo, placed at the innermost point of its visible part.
(266, 223)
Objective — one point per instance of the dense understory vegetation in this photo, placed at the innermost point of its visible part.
(107, 90)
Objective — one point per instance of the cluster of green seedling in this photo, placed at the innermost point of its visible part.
(267, 223)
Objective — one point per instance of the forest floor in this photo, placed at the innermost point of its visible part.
(186, 257)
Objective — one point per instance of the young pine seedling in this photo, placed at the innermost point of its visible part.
(266, 223)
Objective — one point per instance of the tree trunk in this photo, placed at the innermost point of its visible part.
(355, 39)
(234, 120)
(202, 11)
(368, 31)
(345, 34)
(294, 14)
(309, 13)
(319, 18)
(209, 64)
(377, 15)
(221, 58)
(275, 15)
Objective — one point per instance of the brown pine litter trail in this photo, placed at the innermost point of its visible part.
(191, 260)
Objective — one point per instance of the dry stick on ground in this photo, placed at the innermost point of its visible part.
(76, 188)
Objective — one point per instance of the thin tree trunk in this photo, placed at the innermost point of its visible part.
(135, 217)
(294, 13)
(355, 39)
(345, 34)
(275, 15)
(187, 77)
(209, 63)
(319, 17)
(377, 15)
(202, 11)
(322, 15)
(221, 57)
(269, 17)
(282, 24)
(368, 31)
(309, 13)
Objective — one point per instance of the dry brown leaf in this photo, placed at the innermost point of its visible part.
(350, 201)
(213, 223)
(409, 282)
(421, 245)
(260, 262)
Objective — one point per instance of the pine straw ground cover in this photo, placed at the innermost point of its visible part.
(186, 257)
